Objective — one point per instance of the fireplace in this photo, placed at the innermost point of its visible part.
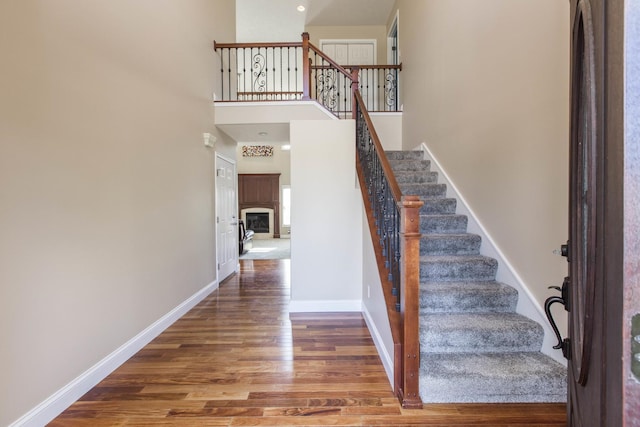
(260, 193)
(258, 222)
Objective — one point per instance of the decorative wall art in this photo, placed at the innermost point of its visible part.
(257, 150)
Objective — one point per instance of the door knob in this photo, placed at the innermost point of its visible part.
(563, 344)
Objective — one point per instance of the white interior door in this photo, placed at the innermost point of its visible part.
(355, 52)
(226, 217)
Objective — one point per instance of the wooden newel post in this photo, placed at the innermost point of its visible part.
(409, 299)
(306, 67)
(354, 86)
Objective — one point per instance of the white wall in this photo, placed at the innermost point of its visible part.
(106, 201)
(486, 87)
(326, 218)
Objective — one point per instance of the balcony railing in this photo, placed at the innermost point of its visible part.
(301, 71)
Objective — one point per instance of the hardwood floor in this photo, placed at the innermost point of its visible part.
(239, 359)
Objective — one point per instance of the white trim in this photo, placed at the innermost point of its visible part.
(314, 103)
(527, 304)
(55, 404)
(385, 113)
(325, 306)
(385, 357)
(396, 23)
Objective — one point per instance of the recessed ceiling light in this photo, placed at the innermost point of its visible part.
(286, 147)
(301, 8)
(263, 133)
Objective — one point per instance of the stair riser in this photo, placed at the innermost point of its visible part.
(458, 270)
(467, 302)
(443, 224)
(417, 178)
(471, 341)
(410, 165)
(443, 390)
(439, 206)
(468, 244)
(466, 378)
(404, 155)
(424, 190)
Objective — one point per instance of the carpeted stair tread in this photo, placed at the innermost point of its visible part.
(443, 224)
(491, 377)
(478, 333)
(467, 297)
(450, 244)
(441, 268)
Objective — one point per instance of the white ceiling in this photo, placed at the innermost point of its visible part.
(280, 21)
(276, 133)
(348, 12)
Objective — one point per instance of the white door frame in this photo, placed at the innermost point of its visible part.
(394, 25)
(218, 245)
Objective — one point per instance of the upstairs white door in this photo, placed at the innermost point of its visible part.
(354, 52)
(350, 52)
(226, 217)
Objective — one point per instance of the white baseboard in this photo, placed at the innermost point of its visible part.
(527, 304)
(55, 404)
(328, 306)
(385, 357)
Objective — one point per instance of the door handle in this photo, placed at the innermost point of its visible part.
(563, 344)
(234, 223)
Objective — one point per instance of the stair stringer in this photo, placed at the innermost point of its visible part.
(527, 304)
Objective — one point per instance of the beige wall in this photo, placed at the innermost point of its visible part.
(485, 85)
(377, 32)
(326, 215)
(106, 201)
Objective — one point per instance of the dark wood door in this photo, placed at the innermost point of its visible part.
(595, 289)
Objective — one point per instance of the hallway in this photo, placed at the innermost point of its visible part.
(239, 359)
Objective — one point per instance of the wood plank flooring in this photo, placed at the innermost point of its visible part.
(240, 359)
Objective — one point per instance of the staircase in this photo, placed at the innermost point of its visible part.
(474, 347)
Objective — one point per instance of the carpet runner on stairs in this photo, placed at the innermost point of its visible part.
(474, 346)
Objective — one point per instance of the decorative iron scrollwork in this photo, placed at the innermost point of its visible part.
(258, 65)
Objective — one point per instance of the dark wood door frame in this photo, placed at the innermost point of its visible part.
(604, 221)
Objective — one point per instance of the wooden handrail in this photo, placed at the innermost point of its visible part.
(386, 167)
(329, 60)
(217, 45)
(375, 67)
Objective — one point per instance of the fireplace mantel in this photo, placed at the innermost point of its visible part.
(261, 190)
